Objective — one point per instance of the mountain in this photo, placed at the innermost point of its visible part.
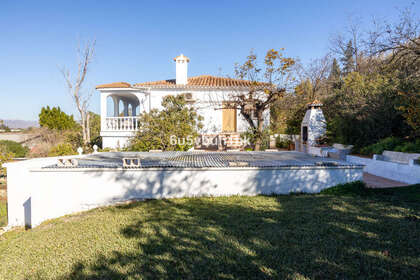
(20, 124)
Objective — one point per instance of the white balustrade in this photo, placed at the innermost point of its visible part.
(121, 123)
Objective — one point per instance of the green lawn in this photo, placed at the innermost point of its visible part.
(345, 233)
(3, 213)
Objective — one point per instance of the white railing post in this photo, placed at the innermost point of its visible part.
(121, 123)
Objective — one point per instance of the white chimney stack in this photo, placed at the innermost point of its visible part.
(181, 69)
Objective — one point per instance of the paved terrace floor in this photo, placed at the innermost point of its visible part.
(208, 160)
(373, 181)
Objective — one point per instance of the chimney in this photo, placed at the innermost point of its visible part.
(181, 69)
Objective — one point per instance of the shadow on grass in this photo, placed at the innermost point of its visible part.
(298, 236)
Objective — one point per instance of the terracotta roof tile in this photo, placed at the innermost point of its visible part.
(115, 85)
(182, 57)
(202, 81)
(316, 102)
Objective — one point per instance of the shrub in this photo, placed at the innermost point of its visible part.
(388, 144)
(5, 156)
(40, 150)
(409, 147)
(161, 129)
(64, 149)
(251, 135)
(46, 139)
(392, 144)
(14, 147)
(283, 143)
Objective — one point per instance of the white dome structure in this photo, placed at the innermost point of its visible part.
(313, 125)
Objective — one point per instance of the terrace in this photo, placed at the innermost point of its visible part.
(46, 188)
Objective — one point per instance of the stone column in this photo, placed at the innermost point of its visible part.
(125, 108)
(103, 110)
(116, 101)
(135, 109)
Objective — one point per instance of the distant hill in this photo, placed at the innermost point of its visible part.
(20, 124)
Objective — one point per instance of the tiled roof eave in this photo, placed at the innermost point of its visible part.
(197, 87)
(116, 88)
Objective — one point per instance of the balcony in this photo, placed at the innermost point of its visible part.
(121, 124)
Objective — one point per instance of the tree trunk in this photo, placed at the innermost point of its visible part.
(87, 128)
(259, 132)
(83, 123)
(257, 144)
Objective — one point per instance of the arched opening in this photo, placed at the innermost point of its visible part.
(121, 112)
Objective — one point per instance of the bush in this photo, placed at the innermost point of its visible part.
(14, 147)
(283, 143)
(5, 156)
(160, 130)
(64, 149)
(392, 144)
(409, 147)
(251, 135)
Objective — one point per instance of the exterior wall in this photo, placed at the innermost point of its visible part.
(315, 121)
(409, 174)
(116, 139)
(35, 195)
(20, 188)
(208, 104)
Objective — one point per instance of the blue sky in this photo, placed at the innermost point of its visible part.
(136, 40)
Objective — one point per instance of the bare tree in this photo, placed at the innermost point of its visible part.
(316, 72)
(267, 84)
(400, 41)
(75, 86)
(353, 33)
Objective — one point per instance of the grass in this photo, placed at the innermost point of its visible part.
(3, 213)
(345, 232)
(3, 198)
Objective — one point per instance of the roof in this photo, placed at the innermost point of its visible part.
(181, 56)
(199, 159)
(315, 103)
(202, 81)
(115, 85)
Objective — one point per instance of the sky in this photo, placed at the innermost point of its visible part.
(137, 40)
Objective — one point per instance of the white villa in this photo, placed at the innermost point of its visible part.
(206, 93)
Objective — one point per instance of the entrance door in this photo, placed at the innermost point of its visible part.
(305, 134)
(229, 120)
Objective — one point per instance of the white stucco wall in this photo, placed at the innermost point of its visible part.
(390, 170)
(35, 195)
(315, 121)
(208, 104)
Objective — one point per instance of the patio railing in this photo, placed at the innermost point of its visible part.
(121, 123)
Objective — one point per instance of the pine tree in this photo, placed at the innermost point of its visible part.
(54, 118)
(335, 75)
(348, 59)
(335, 71)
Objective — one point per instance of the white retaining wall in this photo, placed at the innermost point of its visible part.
(409, 174)
(35, 195)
